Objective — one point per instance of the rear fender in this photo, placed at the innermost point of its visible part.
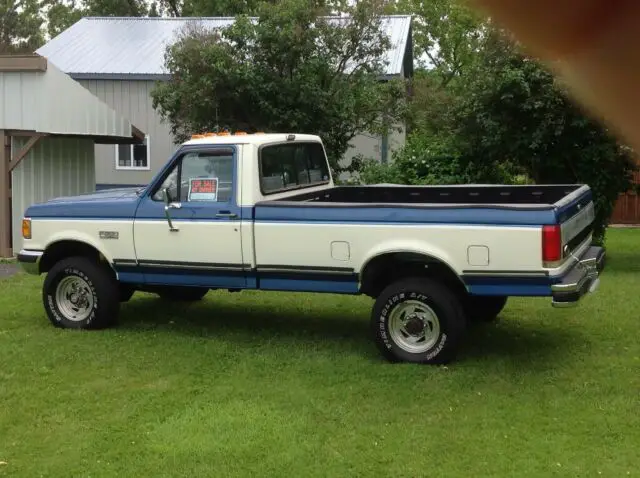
(414, 247)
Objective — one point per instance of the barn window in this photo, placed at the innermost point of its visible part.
(133, 156)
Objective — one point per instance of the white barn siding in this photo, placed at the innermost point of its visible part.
(53, 168)
(131, 99)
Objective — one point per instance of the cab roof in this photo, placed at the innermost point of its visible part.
(257, 139)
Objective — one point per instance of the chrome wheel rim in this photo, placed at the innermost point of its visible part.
(74, 298)
(414, 326)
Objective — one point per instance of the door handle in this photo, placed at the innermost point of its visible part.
(227, 214)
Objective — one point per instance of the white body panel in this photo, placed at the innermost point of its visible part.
(448, 243)
(50, 231)
(195, 242)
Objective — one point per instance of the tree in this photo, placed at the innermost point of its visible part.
(21, 25)
(61, 14)
(290, 70)
(447, 35)
(211, 8)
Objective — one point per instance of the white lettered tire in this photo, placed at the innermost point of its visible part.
(79, 293)
(418, 320)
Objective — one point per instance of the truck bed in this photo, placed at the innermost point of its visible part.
(466, 204)
(541, 197)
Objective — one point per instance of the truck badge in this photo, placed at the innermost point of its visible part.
(109, 234)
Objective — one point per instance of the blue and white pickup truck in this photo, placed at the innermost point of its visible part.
(261, 211)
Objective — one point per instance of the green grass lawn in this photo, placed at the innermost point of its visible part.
(275, 384)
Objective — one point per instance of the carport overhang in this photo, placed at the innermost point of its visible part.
(104, 126)
(9, 160)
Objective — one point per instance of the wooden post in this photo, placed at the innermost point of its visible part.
(5, 205)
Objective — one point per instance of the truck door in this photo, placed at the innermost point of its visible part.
(187, 226)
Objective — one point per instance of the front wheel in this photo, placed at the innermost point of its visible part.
(418, 320)
(79, 293)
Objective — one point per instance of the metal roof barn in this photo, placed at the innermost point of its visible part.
(132, 48)
(49, 125)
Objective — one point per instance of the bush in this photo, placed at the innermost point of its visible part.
(423, 160)
(426, 159)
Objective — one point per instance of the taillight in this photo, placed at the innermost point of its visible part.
(551, 243)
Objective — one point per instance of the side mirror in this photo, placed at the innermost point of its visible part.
(166, 196)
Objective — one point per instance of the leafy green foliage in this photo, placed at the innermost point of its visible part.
(446, 33)
(429, 159)
(212, 8)
(61, 15)
(21, 25)
(290, 70)
(447, 37)
(423, 160)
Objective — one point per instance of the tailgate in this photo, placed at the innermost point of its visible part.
(576, 219)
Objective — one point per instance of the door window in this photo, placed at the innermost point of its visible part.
(200, 176)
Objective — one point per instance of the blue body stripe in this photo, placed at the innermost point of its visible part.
(304, 285)
(302, 215)
(327, 283)
(299, 282)
(524, 286)
(403, 215)
(511, 290)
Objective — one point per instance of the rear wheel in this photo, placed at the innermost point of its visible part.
(182, 294)
(480, 308)
(79, 293)
(418, 320)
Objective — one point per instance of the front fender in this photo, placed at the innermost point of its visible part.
(78, 236)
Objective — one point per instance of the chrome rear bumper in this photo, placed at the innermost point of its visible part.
(583, 278)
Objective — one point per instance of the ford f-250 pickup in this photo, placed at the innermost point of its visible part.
(261, 211)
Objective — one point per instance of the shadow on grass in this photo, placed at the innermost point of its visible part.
(215, 319)
(521, 343)
(510, 340)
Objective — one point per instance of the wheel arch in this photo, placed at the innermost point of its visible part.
(387, 266)
(62, 247)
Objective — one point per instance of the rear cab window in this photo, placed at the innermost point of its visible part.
(287, 166)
